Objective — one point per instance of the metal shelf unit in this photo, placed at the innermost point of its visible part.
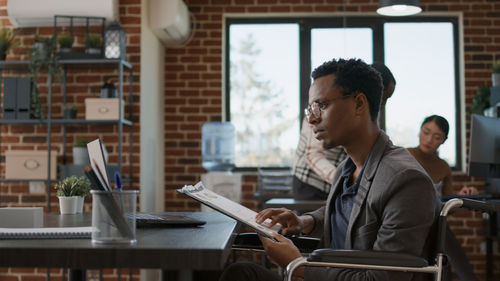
(67, 64)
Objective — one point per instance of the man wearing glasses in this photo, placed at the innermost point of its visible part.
(314, 166)
(381, 198)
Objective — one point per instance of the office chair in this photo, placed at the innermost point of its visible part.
(273, 183)
(389, 261)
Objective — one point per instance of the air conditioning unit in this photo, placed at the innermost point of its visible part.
(169, 21)
(25, 13)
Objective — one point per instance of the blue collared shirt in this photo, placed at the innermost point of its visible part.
(342, 205)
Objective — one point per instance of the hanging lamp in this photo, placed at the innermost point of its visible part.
(399, 7)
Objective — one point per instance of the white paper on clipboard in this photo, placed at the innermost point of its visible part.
(97, 161)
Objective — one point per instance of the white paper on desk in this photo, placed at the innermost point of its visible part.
(230, 208)
(97, 161)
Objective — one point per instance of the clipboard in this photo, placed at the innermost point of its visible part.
(229, 208)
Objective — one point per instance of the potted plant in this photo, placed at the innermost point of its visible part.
(40, 47)
(80, 154)
(65, 42)
(71, 192)
(93, 44)
(495, 76)
(480, 101)
(7, 36)
(40, 61)
(70, 110)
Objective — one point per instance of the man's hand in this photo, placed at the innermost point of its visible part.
(468, 190)
(290, 222)
(281, 252)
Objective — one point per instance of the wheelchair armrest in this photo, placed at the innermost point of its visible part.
(484, 206)
(252, 241)
(367, 257)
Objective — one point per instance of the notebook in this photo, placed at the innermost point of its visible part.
(164, 220)
(46, 233)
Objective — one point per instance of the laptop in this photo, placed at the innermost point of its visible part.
(145, 220)
(98, 163)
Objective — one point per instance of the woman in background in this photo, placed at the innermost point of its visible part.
(433, 133)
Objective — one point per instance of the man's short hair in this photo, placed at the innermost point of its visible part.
(354, 76)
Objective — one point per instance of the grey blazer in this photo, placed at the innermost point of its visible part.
(394, 210)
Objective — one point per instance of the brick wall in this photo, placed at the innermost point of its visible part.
(81, 83)
(193, 95)
(194, 88)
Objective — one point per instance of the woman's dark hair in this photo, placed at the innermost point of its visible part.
(387, 76)
(440, 121)
(354, 76)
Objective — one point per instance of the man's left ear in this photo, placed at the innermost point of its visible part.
(361, 103)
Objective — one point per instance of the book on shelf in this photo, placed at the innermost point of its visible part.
(46, 233)
(230, 208)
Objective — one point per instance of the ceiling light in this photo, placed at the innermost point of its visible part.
(398, 7)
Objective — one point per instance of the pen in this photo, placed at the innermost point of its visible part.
(118, 181)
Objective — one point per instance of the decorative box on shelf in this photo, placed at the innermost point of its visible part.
(103, 108)
(29, 164)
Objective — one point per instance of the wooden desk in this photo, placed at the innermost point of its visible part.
(199, 248)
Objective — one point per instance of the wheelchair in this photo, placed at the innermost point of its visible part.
(390, 261)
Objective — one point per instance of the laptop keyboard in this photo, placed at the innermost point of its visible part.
(149, 220)
(142, 218)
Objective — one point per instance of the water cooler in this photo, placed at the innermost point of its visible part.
(217, 149)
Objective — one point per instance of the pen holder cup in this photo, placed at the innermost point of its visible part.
(113, 216)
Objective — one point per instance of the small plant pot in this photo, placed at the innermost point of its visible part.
(80, 156)
(70, 113)
(68, 205)
(40, 50)
(495, 79)
(79, 205)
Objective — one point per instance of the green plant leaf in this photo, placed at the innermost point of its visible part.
(73, 186)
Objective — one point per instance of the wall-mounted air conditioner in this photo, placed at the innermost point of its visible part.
(169, 20)
(24, 13)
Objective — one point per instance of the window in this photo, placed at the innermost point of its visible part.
(269, 62)
(421, 55)
(343, 42)
(264, 87)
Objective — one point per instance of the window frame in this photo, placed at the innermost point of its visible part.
(376, 23)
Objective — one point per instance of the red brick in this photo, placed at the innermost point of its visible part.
(279, 9)
(134, 10)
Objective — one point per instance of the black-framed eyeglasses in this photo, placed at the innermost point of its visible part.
(315, 108)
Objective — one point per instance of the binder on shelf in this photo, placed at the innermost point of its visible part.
(17, 99)
(23, 98)
(9, 98)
